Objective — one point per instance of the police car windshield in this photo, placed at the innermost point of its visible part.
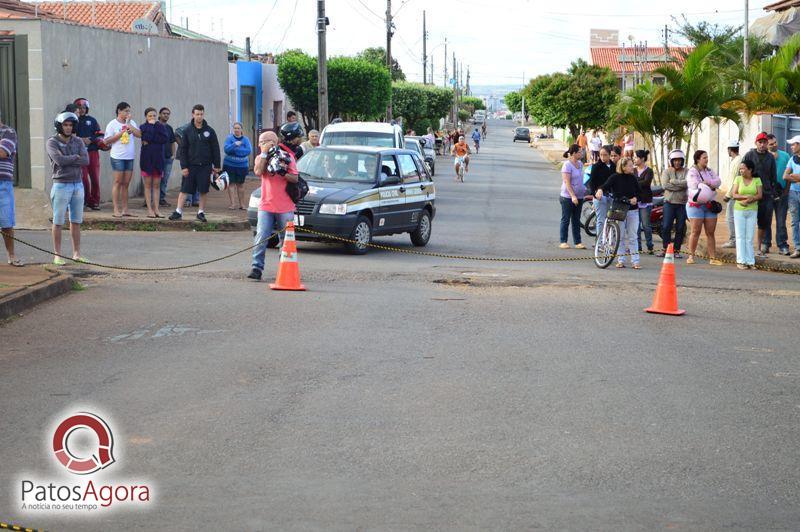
(358, 138)
(334, 165)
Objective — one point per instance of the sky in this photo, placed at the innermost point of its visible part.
(501, 41)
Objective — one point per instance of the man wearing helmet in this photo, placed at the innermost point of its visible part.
(292, 138)
(89, 132)
(67, 153)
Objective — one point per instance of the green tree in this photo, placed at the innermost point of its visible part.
(420, 106)
(513, 101)
(774, 82)
(472, 104)
(297, 75)
(357, 89)
(377, 56)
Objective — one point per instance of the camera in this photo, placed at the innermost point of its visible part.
(278, 160)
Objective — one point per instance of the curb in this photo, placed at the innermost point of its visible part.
(25, 298)
(725, 255)
(148, 225)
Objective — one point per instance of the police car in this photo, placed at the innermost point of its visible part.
(359, 192)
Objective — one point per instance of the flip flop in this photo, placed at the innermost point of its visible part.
(82, 260)
(232, 208)
(116, 216)
(16, 262)
(128, 215)
(58, 261)
(152, 216)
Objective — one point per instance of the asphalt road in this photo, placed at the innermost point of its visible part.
(415, 393)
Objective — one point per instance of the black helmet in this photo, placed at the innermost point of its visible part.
(291, 131)
(336, 120)
(65, 117)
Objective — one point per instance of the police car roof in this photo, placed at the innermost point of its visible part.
(376, 127)
(374, 150)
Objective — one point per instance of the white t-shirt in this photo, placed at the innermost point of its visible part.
(125, 152)
(596, 143)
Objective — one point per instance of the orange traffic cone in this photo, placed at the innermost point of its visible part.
(666, 299)
(288, 271)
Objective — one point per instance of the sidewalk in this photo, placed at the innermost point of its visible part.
(220, 218)
(22, 288)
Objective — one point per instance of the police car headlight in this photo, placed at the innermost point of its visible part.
(333, 208)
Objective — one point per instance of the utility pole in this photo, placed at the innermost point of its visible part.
(455, 91)
(746, 58)
(322, 65)
(468, 92)
(424, 51)
(389, 52)
(446, 79)
(522, 97)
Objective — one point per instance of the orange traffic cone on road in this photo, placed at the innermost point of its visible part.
(288, 277)
(666, 299)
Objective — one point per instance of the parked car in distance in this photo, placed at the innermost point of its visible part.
(522, 133)
(379, 134)
(428, 153)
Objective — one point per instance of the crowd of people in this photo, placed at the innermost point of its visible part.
(761, 185)
(74, 154)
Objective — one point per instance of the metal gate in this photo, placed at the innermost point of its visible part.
(14, 100)
(785, 127)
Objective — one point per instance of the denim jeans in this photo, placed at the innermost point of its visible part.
(165, 179)
(644, 225)
(729, 219)
(601, 208)
(570, 212)
(745, 231)
(794, 209)
(674, 213)
(781, 208)
(265, 227)
(67, 197)
(629, 237)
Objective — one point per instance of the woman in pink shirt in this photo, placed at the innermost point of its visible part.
(702, 183)
(276, 168)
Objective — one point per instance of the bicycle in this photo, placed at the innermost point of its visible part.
(589, 218)
(607, 244)
(477, 145)
(460, 161)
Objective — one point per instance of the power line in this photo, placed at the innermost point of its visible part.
(288, 26)
(265, 19)
(370, 10)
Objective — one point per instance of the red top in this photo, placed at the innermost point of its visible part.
(273, 190)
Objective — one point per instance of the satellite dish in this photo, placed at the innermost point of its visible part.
(144, 26)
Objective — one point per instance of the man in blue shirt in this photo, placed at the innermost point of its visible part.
(476, 139)
(89, 132)
(792, 176)
(781, 204)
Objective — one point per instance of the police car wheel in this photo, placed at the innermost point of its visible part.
(421, 235)
(362, 234)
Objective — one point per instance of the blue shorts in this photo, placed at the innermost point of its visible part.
(65, 196)
(701, 211)
(122, 165)
(7, 220)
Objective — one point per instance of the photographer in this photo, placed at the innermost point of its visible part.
(276, 166)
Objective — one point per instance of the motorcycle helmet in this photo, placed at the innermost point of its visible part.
(291, 131)
(65, 117)
(221, 182)
(677, 154)
(703, 194)
(82, 101)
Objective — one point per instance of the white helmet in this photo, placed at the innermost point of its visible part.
(677, 154)
(220, 182)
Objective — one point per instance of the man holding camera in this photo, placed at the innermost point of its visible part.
(276, 166)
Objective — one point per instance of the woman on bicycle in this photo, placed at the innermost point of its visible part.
(624, 184)
(600, 173)
(702, 183)
(573, 193)
(674, 202)
(644, 174)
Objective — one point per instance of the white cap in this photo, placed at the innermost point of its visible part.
(794, 140)
(733, 144)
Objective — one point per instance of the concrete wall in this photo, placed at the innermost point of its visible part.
(67, 61)
(272, 93)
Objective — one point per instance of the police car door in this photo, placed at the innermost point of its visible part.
(413, 188)
(392, 199)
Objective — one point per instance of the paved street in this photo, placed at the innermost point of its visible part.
(416, 393)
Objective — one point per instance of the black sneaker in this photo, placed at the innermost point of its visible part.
(202, 217)
(255, 274)
(175, 216)
(164, 203)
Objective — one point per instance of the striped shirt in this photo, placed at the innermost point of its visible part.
(8, 144)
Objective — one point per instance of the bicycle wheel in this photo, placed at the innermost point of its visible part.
(588, 218)
(605, 248)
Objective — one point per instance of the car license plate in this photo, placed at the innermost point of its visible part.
(299, 220)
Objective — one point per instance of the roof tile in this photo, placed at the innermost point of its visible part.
(610, 57)
(110, 15)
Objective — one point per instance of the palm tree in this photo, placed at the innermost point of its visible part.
(774, 82)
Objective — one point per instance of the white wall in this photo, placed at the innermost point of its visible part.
(67, 61)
